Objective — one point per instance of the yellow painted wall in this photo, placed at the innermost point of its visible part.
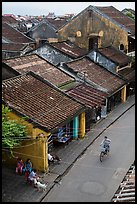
(33, 147)
(35, 150)
(111, 33)
(29, 126)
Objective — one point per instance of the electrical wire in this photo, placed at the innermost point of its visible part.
(25, 145)
(70, 132)
(28, 155)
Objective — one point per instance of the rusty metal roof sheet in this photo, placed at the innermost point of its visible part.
(88, 95)
(44, 104)
(96, 74)
(35, 63)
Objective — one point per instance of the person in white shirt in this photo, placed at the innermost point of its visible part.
(106, 143)
(50, 157)
(53, 158)
(33, 176)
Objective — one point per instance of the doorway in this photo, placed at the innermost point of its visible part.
(93, 43)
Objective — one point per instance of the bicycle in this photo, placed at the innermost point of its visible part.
(104, 152)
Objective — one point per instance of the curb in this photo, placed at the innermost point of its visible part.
(59, 177)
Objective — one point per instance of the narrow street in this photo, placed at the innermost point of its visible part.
(68, 83)
(14, 188)
(89, 180)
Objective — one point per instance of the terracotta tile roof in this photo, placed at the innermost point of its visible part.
(35, 63)
(13, 35)
(13, 46)
(115, 55)
(128, 74)
(88, 95)
(119, 17)
(44, 104)
(96, 74)
(70, 49)
(9, 20)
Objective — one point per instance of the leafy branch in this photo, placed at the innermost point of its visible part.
(12, 132)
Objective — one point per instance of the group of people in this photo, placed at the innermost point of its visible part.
(27, 166)
(23, 167)
(29, 171)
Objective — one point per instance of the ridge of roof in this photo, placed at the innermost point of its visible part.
(80, 106)
(94, 8)
(111, 47)
(44, 21)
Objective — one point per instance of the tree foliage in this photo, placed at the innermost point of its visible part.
(12, 131)
(129, 14)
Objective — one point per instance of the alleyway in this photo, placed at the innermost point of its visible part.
(14, 188)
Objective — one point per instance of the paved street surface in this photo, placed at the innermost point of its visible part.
(90, 180)
(14, 188)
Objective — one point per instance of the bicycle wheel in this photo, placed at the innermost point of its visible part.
(101, 156)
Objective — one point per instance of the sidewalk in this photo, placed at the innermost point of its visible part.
(14, 188)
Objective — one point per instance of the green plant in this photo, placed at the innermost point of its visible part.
(12, 132)
(129, 14)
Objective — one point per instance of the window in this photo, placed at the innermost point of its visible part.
(121, 47)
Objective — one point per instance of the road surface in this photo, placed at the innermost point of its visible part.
(89, 180)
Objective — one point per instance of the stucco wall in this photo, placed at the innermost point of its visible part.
(33, 147)
(112, 34)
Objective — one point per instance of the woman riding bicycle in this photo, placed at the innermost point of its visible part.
(106, 144)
